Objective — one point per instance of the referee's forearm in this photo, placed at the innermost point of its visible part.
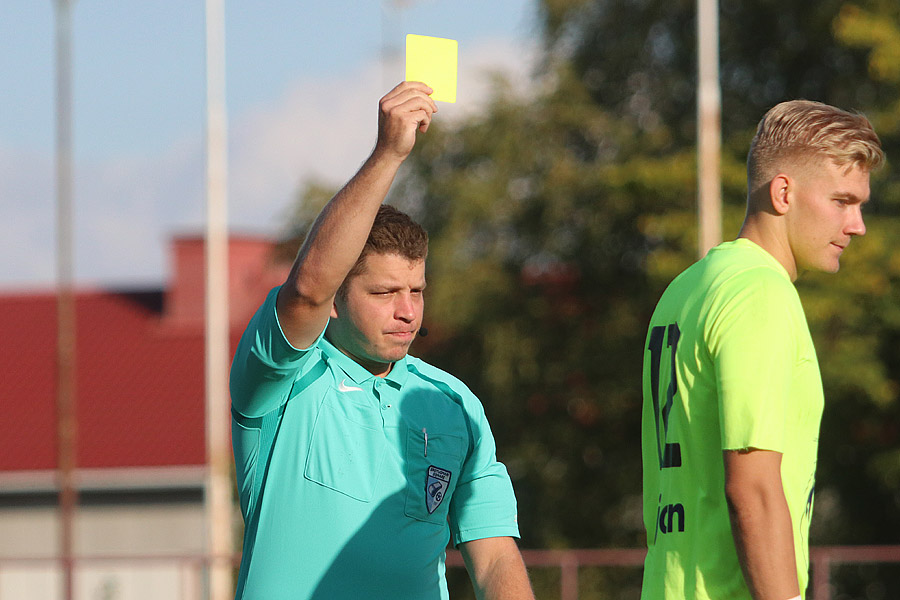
(497, 569)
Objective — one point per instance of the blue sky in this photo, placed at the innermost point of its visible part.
(303, 79)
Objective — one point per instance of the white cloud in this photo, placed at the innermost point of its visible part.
(127, 208)
(124, 211)
(27, 238)
(325, 129)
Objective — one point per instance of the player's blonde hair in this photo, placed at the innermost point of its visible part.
(798, 132)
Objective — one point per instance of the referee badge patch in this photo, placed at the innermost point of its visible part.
(435, 487)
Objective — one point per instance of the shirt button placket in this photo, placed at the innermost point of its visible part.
(382, 401)
(376, 389)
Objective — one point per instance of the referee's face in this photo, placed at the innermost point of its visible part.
(381, 312)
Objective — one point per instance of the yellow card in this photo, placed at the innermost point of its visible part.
(432, 61)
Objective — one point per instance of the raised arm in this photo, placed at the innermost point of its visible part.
(761, 523)
(339, 233)
(496, 569)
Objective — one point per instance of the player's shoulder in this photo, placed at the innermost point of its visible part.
(757, 280)
(753, 295)
(742, 268)
(732, 276)
(723, 273)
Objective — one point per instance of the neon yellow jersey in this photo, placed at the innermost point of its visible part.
(729, 364)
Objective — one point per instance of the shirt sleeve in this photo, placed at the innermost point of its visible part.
(753, 344)
(265, 363)
(484, 504)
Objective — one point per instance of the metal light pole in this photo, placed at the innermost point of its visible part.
(66, 423)
(218, 450)
(709, 126)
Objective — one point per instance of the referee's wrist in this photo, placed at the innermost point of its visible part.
(797, 597)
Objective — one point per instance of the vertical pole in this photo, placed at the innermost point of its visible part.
(821, 569)
(568, 577)
(709, 125)
(65, 304)
(218, 483)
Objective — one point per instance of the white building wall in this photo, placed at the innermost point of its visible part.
(124, 551)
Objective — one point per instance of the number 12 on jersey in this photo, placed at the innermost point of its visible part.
(669, 454)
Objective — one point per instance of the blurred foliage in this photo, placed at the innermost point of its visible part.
(557, 219)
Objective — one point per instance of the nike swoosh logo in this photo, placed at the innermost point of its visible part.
(343, 387)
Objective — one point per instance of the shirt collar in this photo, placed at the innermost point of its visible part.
(748, 243)
(359, 374)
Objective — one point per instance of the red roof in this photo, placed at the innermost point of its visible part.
(139, 371)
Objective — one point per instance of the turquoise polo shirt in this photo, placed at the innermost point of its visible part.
(352, 485)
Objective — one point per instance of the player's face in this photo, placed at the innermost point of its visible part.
(382, 311)
(826, 214)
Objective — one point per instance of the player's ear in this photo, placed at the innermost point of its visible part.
(779, 192)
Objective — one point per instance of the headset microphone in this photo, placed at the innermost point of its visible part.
(423, 332)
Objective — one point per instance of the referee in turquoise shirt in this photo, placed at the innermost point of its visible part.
(356, 463)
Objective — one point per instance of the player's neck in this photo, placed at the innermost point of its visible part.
(766, 231)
